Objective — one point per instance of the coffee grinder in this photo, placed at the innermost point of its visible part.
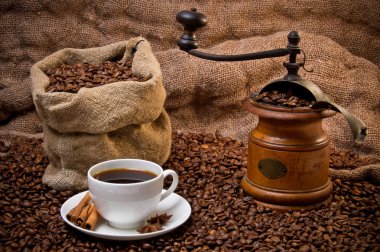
(288, 151)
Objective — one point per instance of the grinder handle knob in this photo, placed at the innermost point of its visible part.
(191, 21)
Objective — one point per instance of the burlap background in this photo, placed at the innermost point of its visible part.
(341, 39)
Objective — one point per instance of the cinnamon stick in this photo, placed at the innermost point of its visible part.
(83, 216)
(92, 218)
(70, 213)
(74, 213)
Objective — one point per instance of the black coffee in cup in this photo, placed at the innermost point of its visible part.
(124, 176)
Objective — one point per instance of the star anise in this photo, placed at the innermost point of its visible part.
(154, 223)
(149, 228)
(159, 219)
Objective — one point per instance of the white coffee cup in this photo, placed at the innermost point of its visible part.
(127, 206)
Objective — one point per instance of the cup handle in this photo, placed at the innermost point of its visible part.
(174, 184)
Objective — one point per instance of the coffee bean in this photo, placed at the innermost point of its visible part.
(4, 147)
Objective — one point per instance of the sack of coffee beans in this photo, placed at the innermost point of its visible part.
(98, 104)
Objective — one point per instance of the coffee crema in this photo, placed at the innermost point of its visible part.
(125, 176)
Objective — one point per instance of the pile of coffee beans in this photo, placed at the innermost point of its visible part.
(224, 217)
(71, 78)
(286, 99)
(340, 159)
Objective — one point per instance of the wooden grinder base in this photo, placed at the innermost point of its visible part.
(288, 158)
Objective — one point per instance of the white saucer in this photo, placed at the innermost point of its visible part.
(174, 205)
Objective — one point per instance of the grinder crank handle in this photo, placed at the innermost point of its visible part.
(192, 20)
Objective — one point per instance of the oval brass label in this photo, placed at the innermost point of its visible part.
(272, 168)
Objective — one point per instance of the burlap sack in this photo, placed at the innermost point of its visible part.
(370, 173)
(125, 119)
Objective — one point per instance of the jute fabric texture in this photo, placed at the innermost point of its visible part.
(341, 40)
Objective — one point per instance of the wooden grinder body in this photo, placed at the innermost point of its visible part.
(288, 157)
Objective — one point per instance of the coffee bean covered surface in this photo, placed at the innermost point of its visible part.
(224, 217)
(71, 78)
